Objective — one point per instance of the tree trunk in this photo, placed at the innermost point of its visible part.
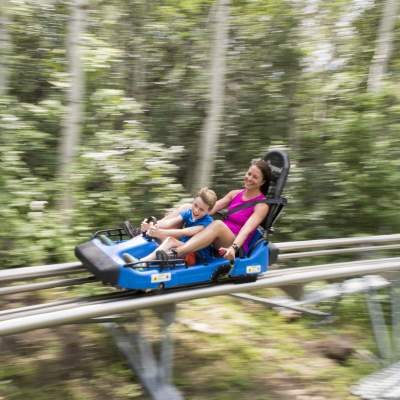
(384, 46)
(210, 131)
(74, 112)
(135, 50)
(4, 47)
(293, 140)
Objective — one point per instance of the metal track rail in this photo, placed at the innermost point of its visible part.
(31, 287)
(81, 312)
(329, 252)
(328, 267)
(42, 271)
(66, 304)
(309, 244)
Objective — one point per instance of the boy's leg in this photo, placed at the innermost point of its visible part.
(169, 243)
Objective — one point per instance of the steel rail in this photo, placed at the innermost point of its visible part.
(338, 266)
(307, 244)
(65, 304)
(31, 287)
(317, 253)
(24, 273)
(55, 318)
(41, 271)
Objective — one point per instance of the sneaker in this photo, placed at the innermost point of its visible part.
(130, 230)
(130, 259)
(163, 255)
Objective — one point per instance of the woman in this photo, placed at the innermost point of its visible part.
(237, 229)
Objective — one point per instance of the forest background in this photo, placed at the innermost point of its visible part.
(118, 109)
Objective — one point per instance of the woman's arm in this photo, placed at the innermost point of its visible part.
(224, 202)
(255, 219)
(160, 233)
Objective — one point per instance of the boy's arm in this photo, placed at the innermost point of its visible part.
(171, 222)
(175, 212)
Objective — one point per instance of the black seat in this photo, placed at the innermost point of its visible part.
(278, 161)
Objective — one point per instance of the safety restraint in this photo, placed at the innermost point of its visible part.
(281, 201)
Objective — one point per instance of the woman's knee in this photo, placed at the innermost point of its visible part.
(223, 235)
(217, 225)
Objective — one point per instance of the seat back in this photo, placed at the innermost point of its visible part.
(278, 161)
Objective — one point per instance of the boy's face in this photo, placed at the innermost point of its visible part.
(199, 208)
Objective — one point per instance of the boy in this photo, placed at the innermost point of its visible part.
(173, 231)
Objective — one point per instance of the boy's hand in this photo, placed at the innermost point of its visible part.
(154, 230)
(145, 226)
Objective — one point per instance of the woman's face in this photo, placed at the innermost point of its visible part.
(254, 178)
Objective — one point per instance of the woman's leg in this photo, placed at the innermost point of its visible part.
(217, 232)
(167, 244)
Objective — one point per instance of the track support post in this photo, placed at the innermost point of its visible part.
(379, 327)
(395, 295)
(154, 372)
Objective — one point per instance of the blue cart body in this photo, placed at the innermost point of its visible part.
(108, 263)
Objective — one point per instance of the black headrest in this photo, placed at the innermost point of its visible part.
(278, 161)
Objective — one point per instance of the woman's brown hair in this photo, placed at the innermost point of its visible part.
(263, 166)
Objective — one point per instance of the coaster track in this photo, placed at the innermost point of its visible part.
(78, 309)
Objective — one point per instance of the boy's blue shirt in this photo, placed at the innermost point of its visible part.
(188, 222)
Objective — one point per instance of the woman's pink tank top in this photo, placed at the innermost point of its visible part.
(236, 220)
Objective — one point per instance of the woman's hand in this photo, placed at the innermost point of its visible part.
(227, 252)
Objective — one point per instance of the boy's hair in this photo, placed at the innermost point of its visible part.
(208, 196)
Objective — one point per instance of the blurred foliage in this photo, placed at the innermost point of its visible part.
(120, 173)
(345, 183)
(297, 74)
